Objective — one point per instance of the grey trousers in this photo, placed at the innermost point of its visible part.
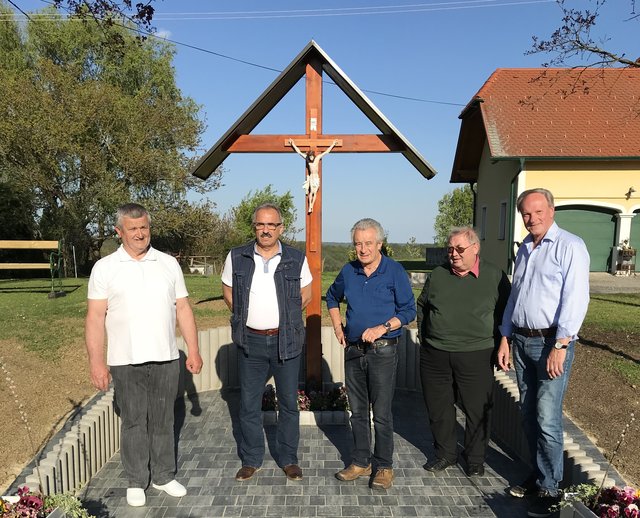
(145, 395)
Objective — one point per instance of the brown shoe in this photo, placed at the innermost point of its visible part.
(353, 472)
(245, 473)
(383, 479)
(293, 472)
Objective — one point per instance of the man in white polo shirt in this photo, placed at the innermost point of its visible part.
(266, 285)
(138, 294)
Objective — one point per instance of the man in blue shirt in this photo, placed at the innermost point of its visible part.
(379, 303)
(548, 302)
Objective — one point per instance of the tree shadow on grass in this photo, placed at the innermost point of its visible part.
(604, 347)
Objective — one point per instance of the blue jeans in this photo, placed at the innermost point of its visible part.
(371, 380)
(254, 370)
(145, 395)
(541, 406)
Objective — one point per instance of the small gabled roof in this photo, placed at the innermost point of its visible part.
(280, 87)
(559, 114)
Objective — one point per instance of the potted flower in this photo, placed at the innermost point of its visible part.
(32, 504)
(626, 250)
(594, 500)
(588, 500)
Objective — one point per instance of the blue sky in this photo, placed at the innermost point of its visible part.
(440, 52)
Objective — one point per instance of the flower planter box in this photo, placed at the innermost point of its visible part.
(577, 510)
(56, 513)
(309, 418)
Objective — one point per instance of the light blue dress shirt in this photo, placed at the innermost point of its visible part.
(550, 286)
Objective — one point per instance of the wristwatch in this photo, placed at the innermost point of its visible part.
(387, 326)
(559, 345)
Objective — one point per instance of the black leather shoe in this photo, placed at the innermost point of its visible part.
(438, 465)
(475, 470)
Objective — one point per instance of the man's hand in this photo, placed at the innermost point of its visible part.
(100, 376)
(339, 331)
(194, 362)
(555, 362)
(371, 334)
(504, 354)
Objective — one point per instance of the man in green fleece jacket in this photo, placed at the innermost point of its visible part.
(459, 311)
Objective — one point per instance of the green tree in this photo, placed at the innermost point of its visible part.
(455, 209)
(413, 249)
(242, 214)
(86, 128)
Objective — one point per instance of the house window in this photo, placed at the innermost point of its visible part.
(483, 223)
(502, 225)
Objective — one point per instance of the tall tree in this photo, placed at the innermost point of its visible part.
(86, 128)
(455, 209)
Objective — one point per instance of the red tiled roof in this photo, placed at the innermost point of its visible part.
(552, 113)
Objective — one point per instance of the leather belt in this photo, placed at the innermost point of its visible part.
(550, 331)
(381, 342)
(264, 332)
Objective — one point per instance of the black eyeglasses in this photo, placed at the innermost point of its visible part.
(270, 226)
(459, 249)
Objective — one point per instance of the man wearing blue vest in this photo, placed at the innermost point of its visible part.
(266, 285)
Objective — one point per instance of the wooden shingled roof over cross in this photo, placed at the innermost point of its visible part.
(311, 63)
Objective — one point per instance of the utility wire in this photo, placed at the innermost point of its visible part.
(18, 8)
(47, 17)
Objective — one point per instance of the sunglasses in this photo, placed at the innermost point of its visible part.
(459, 249)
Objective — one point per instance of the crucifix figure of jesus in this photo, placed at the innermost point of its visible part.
(312, 183)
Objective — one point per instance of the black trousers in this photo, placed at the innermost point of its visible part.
(465, 378)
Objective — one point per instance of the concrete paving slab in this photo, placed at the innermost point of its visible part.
(207, 463)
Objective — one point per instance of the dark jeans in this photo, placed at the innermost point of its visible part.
(371, 380)
(541, 405)
(465, 378)
(145, 395)
(254, 370)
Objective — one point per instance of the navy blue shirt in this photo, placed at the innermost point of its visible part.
(373, 300)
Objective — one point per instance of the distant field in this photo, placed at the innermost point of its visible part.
(334, 255)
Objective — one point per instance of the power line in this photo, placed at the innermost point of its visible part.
(18, 8)
(50, 17)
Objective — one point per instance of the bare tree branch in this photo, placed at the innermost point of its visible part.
(574, 39)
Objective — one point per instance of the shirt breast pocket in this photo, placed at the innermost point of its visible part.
(292, 285)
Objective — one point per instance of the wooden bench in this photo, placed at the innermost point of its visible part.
(54, 265)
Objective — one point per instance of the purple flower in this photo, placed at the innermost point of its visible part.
(631, 511)
(608, 511)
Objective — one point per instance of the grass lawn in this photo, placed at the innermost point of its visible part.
(43, 325)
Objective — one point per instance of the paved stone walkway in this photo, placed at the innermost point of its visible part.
(208, 461)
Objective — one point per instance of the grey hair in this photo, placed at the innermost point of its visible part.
(131, 210)
(367, 223)
(538, 190)
(266, 206)
(468, 232)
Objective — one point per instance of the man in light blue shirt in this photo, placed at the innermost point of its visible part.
(548, 302)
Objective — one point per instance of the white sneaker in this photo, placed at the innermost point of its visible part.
(136, 497)
(173, 488)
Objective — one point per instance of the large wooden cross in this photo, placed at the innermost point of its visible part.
(239, 140)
